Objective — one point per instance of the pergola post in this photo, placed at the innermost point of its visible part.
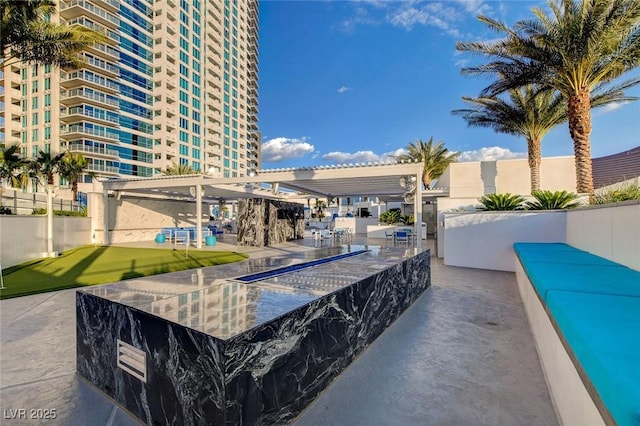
(105, 216)
(198, 216)
(417, 208)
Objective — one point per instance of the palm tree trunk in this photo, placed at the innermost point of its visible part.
(74, 189)
(535, 158)
(579, 111)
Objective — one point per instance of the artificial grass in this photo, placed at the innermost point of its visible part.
(90, 265)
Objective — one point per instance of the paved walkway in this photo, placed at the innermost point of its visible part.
(461, 355)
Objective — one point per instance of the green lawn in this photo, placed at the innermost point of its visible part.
(90, 265)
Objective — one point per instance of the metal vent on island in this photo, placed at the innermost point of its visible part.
(132, 360)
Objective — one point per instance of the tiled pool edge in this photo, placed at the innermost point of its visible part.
(265, 375)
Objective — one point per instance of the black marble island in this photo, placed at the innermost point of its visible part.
(199, 347)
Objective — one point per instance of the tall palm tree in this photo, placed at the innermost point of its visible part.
(180, 169)
(529, 113)
(11, 166)
(26, 35)
(435, 158)
(73, 166)
(45, 166)
(581, 46)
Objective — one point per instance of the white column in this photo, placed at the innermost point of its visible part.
(105, 216)
(198, 216)
(417, 209)
(49, 189)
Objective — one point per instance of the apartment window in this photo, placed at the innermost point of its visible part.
(47, 83)
(184, 123)
(184, 84)
(195, 153)
(47, 116)
(195, 140)
(47, 100)
(34, 102)
(23, 120)
(34, 151)
(34, 119)
(196, 91)
(23, 103)
(184, 150)
(34, 87)
(23, 137)
(195, 103)
(184, 136)
(195, 115)
(47, 133)
(23, 73)
(184, 44)
(23, 88)
(195, 128)
(47, 69)
(47, 148)
(34, 71)
(184, 110)
(34, 135)
(184, 70)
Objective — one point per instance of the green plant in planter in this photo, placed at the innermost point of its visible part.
(390, 216)
(547, 200)
(622, 193)
(499, 202)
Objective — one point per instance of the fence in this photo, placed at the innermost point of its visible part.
(25, 203)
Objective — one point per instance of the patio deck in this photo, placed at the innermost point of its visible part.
(462, 354)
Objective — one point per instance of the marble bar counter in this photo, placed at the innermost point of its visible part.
(201, 348)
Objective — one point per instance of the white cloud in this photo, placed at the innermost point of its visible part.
(343, 89)
(490, 154)
(448, 16)
(280, 149)
(339, 157)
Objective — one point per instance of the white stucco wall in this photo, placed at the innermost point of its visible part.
(24, 238)
(140, 219)
(485, 239)
(612, 232)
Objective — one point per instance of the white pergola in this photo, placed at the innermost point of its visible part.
(348, 180)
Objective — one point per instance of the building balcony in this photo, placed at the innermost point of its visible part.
(94, 151)
(104, 51)
(72, 8)
(101, 66)
(79, 113)
(84, 77)
(80, 130)
(84, 94)
(102, 169)
(108, 5)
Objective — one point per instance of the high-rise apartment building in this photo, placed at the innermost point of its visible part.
(176, 82)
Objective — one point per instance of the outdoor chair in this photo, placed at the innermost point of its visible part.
(388, 235)
(403, 237)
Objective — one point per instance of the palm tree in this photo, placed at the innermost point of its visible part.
(46, 166)
(26, 35)
(582, 46)
(531, 113)
(436, 158)
(73, 166)
(179, 169)
(11, 166)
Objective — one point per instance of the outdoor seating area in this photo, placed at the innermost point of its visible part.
(583, 311)
(185, 235)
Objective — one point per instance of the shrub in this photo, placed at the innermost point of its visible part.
(498, 202)
(622, 193)
(390, 216)
(42, 211)
(547, 200)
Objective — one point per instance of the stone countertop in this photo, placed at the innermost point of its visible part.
(209, 300)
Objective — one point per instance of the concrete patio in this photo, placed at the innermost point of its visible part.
(462, 354)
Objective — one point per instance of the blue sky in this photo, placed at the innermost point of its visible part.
(356, 81)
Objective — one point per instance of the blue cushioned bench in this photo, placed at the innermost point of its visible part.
(594, 306)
